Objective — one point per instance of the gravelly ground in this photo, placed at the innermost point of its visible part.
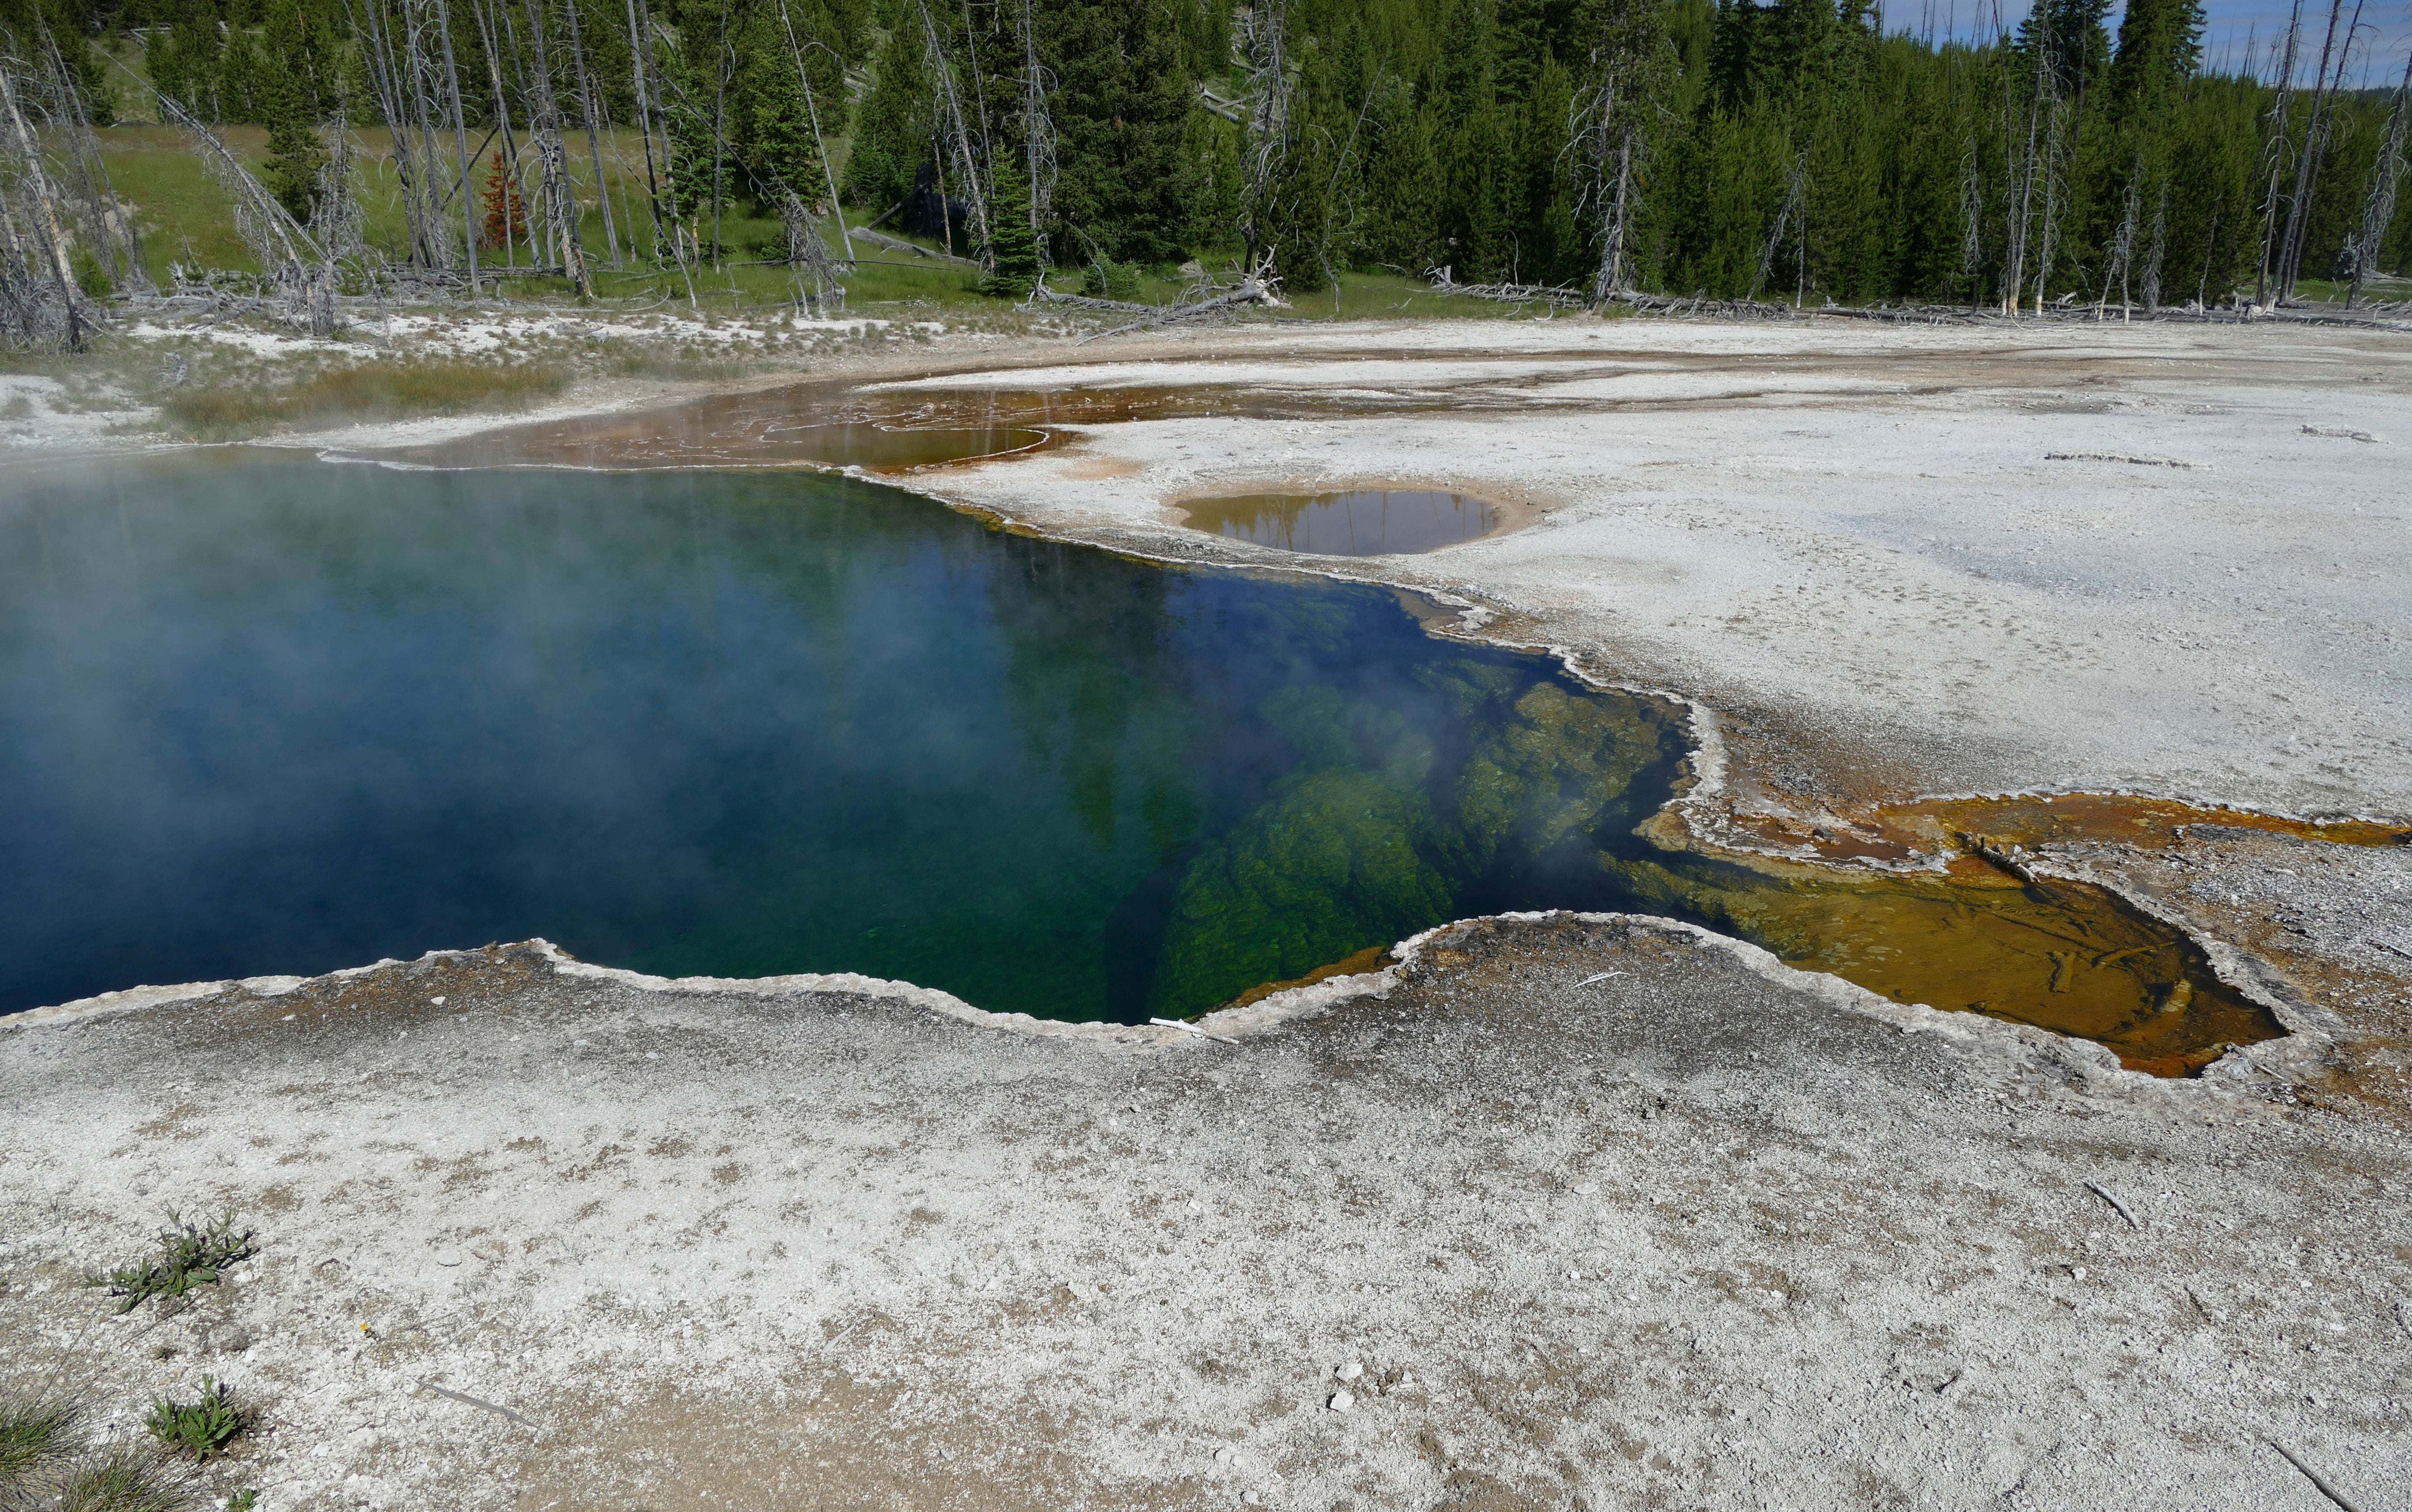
(1697, 1232)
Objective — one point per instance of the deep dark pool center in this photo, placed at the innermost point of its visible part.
(276, 715)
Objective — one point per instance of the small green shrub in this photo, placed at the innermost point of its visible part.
(245, 1500)
(91, 277)
(125, 1478)
(1111, 280)
(366, 390)
(37, 1435)
(198, 1429)
(189, 1253)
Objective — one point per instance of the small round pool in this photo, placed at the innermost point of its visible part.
(1354, 522)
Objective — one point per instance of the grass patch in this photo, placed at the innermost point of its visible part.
(195, 1430)
(190, 1252)
(48, 1461)
(36, 1435)
(127, 1477)
(372, 390)
(679, 366)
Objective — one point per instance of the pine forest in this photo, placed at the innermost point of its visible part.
(1583, 151)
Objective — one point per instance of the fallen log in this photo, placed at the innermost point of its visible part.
(899, 244)
(1256, 288)
(1040, 293)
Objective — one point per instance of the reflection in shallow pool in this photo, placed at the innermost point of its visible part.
(272, 715)
(1356, 523)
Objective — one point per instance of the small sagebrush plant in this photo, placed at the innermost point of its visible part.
(190, 1252)
(198, 1429)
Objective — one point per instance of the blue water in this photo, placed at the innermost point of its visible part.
(268, 714)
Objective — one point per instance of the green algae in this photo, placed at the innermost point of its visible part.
(1384, 830)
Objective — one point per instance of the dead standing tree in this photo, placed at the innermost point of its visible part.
(588, 113)
(394, 54)
(98, 222)
(957, 138)
(299, 270)
(821, 146)
(1037, 133)
(1629, 64)
(61, 223)
(1791, 217)
(815, 275)
(1257, 37)
(555, 203)
(2020, 158)
(2276, 145)
(2378, 207)
(41, 305)
(2327, 85)
(486, 36)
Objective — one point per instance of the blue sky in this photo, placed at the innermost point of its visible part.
(2378, 56)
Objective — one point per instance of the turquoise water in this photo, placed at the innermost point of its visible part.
(267, 714)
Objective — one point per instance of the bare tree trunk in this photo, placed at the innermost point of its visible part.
(48, 234)
(957, 132)
(376, 54)
(639, 36)
(2281, 112)
(2123, 243)
(2050, 164)
(2160, 247)
(426, 106)
(1263, 43)
(1972, 236)
(1794, 188)
(2023, 173)
(586, 112)
(1037, 133)
(829, 174)
(640, 40)
(107, 231)
(2378, 207)
(461, 139)
(2307, 164)
(561, 205)
(510, 163)
(720, 70)
(980, 97)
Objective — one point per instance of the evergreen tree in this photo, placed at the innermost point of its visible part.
(286, 99)
(185, 64)
(1483, 198)
(770, 127)
(1013, 242)
(243, 87)
(1126, 187)
(894, 127)
(1468, 63)
(1734, 61)
(697, 73)
(2069, 36)
(1550, 242)
(2161, 45)
(1404, 184)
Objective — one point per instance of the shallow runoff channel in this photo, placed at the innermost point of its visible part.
(272, 715)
